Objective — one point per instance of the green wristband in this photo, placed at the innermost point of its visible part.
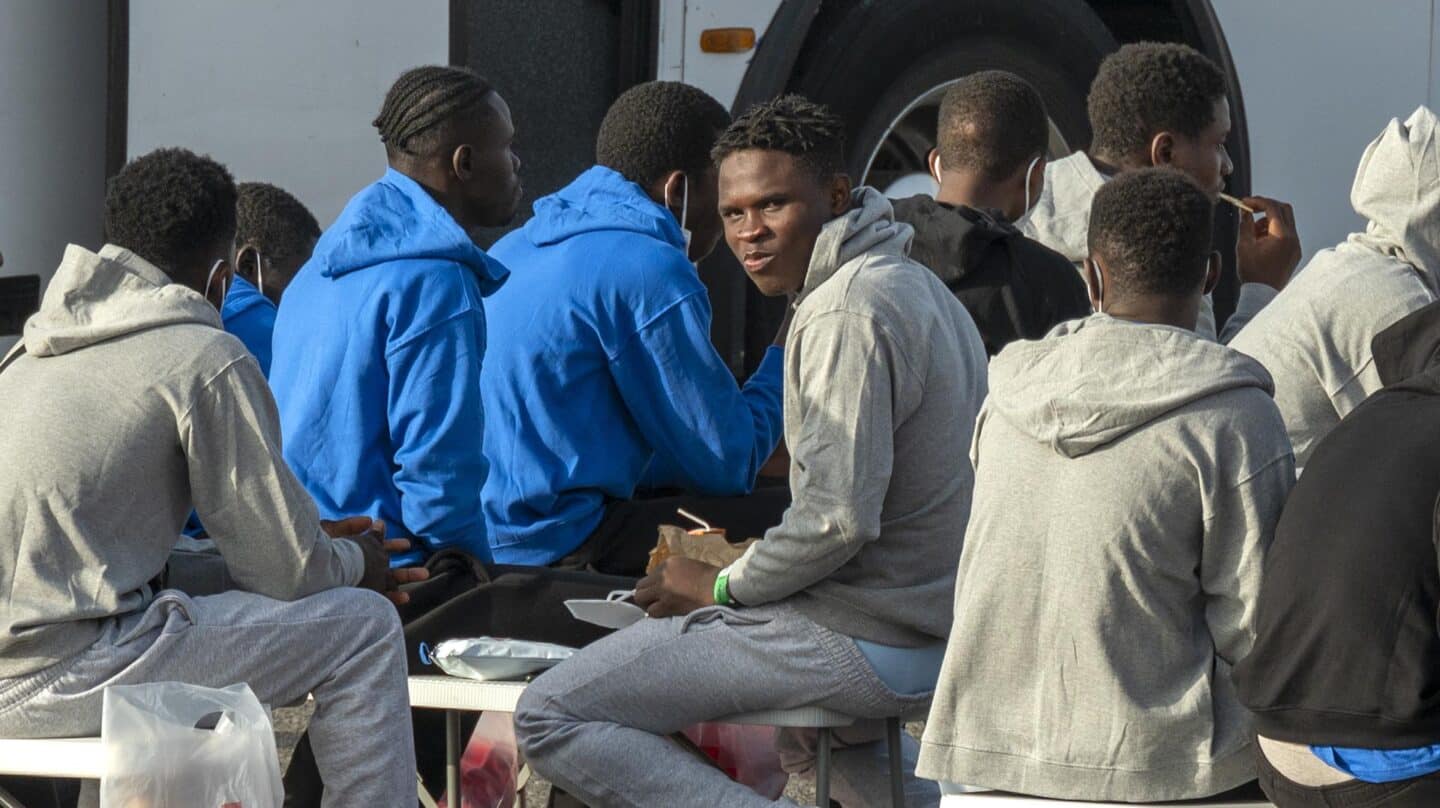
(722, 588)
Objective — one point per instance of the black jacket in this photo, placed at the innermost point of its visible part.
(1348, 652)
(1013, 287)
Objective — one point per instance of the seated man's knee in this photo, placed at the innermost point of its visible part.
(537, 718)
(373, 616)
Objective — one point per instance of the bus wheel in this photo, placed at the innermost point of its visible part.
(884, 67)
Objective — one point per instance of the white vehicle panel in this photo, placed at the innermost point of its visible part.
(52, 125)
(1320, 79)
(680, 57)
(279, 91)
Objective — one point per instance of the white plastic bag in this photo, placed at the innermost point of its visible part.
(490, 767)
(172, 745)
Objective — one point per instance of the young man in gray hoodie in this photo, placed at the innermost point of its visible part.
(1315, 339)
(124, 406)
(1128, 478)
(846, 603)
(1164, 104)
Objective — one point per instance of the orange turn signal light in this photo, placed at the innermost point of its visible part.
(727, 40)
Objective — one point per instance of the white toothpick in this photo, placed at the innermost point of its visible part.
(697, 520)
(1237, 203)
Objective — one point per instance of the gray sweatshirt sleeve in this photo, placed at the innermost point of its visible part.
(854, 386)
(1238, 531)
(262, 519)
(1253, 297)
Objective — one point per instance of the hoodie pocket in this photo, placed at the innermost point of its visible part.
(157, 616)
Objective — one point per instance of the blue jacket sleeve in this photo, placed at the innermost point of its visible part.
(709, 436)
(254, 327)
(436, 419)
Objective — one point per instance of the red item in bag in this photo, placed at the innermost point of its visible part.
(745, 753)
(488, 769)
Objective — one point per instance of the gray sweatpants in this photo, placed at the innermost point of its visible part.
(596, 724)
(343, 646)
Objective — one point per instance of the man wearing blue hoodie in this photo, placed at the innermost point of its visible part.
(379, 339)
(608, 369)
(274, 236)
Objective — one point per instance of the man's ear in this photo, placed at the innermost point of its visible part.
(219, 284)
(839, 194)
(462, 161)
(932, 160)
(1094, 283)
(1212, 272)
(1162, 149)
(672, 189)
(247, 260)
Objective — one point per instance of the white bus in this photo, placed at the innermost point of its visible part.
(285, 91)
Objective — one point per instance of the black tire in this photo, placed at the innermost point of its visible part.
(868, 62)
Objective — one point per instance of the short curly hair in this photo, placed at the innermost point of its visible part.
(992, 123)
(166, 205)
(792, 124)
(658, 127)
(1150, 87)
(271, 220)
(1151, 229)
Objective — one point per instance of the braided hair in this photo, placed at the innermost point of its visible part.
(413, 119)
(793, 124)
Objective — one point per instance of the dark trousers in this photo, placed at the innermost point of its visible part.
(621, 543)
(1420, 792)
(464, 599)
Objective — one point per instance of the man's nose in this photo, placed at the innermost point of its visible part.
(752, 228)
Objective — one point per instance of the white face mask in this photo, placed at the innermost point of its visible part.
(1099, 289)
(935, 172)
(1026, 214)
(684, 211)
(259, 272)
(211, 277)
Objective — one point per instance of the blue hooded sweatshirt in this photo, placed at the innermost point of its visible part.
(250, 316)
(603, 365)
(378, 345)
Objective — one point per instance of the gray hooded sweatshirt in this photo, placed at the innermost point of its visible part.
(884, 373)
(129, 405)
(1128, 479)
(1315, 339)
(1061, 221)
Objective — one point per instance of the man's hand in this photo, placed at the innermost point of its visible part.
(1268, 250)
(369, 535)
(677, 587)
